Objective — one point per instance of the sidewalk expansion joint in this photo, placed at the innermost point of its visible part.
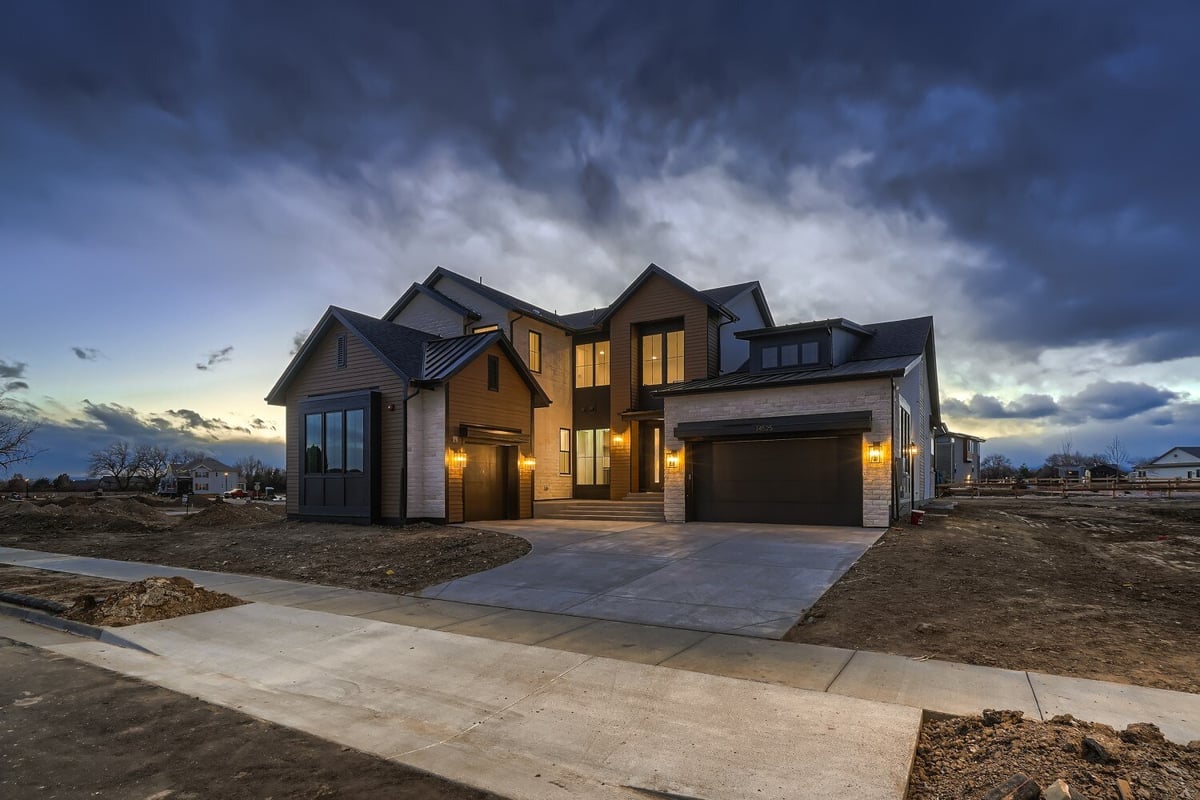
(840, 671)
(497, 712)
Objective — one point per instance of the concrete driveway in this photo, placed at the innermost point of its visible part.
(752, 580)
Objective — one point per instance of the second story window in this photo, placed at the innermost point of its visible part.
(662, 358)
(791, 355)
(535, 351)
(591, 364)
(493, 375)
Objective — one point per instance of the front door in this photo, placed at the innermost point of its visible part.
(485, 482)
(650, 462)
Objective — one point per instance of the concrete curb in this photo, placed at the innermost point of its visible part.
(71, 626)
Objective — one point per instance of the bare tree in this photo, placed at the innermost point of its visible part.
(119, 460)
(995, 466)
(186, 454)
(1116, 453)
(250, 468)
(152, 463)
(16, 434)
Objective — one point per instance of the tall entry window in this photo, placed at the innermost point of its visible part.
(591, 364)
(662, 358)
(592, 454)
(338, 461)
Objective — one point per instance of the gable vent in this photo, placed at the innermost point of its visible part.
(341, 352)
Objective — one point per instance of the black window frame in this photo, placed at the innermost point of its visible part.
(493, 373)
(561, 452)
(662, 333)
(314, 487)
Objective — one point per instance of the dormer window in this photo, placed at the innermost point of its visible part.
(783, 356)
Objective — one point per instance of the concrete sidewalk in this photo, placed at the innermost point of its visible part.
(528, 722)
(940, 686)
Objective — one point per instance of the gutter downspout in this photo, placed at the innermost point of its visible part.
(895, 487)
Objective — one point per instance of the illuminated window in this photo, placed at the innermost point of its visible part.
(662, 358)
(535, 351)
(564, 451)
(592, 457)
(591, 365)
(485, 329)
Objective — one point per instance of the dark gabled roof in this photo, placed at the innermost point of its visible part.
(432, 294)
(399, 347)
(211, 463)
(906, 337)
(850, 371)
(581, 320)
(647, 273)
(412, 354)
(722, 295)
(444, 358)
(496, 296)
(962, 436)
(795, 327)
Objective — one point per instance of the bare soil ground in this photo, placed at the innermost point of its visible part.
(255, 539)
(69, 729)
(961, 757)
(1096, 588)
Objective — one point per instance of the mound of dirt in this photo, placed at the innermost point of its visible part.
(149, 600)
(968, 756)
(228, 515)
(28, 510)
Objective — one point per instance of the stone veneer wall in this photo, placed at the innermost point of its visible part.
(870, 395)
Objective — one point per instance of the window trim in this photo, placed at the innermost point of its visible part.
(535, 336)
(665, 358)
(562, 452)
(593, 348)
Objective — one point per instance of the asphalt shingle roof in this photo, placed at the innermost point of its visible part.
(404, 347)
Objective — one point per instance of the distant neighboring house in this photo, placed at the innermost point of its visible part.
(1178, 462)
(956, 457)
(202, 476)
(1103, 472)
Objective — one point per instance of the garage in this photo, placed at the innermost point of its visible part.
(487, 487)
(796, 470)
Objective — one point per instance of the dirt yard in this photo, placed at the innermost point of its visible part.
(69, 729)
(1098, 588)
(969, 756)
(255, 539)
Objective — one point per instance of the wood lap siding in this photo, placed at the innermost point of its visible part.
(470, 402)
(363, 370)
(656, 300)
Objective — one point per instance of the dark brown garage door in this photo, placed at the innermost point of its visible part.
(485, 482)
(801, 481)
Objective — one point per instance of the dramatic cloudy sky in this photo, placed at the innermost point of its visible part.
(187, 185)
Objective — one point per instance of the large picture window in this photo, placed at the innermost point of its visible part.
(591, 364)
(334, 442)
(662, 358)
(592, 457)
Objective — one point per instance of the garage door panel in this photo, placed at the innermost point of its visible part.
(814, 481)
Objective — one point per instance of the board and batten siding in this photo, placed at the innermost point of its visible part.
(320, 375)
(656, 300)
(470, 402)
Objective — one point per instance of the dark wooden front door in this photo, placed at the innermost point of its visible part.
(485, 482)
(650, 460)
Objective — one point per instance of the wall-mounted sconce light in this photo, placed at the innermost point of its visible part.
(528, 462)
(912, 450)
(618, 439)
(672, 459)
(458, 458)
(875, 452)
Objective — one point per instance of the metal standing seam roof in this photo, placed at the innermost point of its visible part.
(444, 357)
(851, 370)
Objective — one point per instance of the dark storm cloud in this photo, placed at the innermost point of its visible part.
(193, 421)
(12, 386)
(86, 353)
(1099, 401)
(1057, 138)
(216, 357)
(14, 370)
(1030, 406)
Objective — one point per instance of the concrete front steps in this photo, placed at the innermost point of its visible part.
(646, 507)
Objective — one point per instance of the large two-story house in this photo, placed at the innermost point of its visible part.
(834, 419)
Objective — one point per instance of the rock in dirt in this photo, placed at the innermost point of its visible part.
(149, 600)
(1018, 787)
(993, 717)
(1142, 732)
(927, 628)
(1095, 750)
(1060, 790)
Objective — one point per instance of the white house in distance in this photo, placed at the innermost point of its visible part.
(1178, 462)
(202, 476)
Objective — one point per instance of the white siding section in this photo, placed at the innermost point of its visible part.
(873, 395)
(490, 313)
(427, 454)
